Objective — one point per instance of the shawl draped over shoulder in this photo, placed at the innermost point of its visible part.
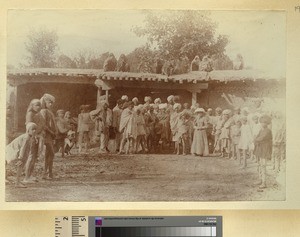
(128, 125)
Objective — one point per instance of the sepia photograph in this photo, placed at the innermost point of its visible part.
(145, 105)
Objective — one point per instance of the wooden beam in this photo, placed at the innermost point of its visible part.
(20, 80)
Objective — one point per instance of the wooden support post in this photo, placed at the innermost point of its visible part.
(194, 97)
(15, 109)
(106, 96)
(99, 91)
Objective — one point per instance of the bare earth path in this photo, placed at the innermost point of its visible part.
(149, 178)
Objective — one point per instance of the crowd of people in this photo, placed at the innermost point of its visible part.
(149, 127)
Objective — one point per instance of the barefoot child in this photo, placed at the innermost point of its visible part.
(235, 135)
(263, 148)
(69, 141)
(23, 149)
(62, 130)
(174, 119)
(255, 127)
(83, 129)
(33, 109)
(164, 123)
(279, 136)
(183, 133)
(245, 141)
(50, 132)
(225, 133)
(141, 132)
(33, 116)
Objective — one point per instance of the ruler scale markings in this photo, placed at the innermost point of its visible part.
(63, 226)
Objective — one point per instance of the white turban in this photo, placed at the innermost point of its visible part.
(30, 125)
(157, 101)
(170, 98)
(135, 99)
(48, 97)
(199, 110)
(177, 106)
(124, 97)
(147, 99)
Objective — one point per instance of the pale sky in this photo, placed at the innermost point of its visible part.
(258, 35)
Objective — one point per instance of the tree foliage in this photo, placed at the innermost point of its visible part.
(41, 46)
(182, 33)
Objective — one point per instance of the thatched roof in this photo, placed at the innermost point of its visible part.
(195, 76)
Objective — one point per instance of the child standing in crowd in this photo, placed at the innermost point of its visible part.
(62, 130)
(33, 116)
(158, 129)
(50, 132)
(200, 143)
(190, 125)
(255, 127)
(83, 129)
(164, 124)
(278, 131)
(33, 109)
(245, 140)
(217, 129)
(69, 120)
(235, 135)
(174, 119)
(103, 120)
(209, 130)
(70, 140)
(151, 121)
(225, 133)
(141, 132)
(23, 149)
(263, 148)
(183, 136)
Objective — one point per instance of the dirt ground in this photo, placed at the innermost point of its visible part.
(148, 178)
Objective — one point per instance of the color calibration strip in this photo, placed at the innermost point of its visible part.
(208, 231)
(134, 226)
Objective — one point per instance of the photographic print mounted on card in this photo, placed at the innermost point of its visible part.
(145, 105)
